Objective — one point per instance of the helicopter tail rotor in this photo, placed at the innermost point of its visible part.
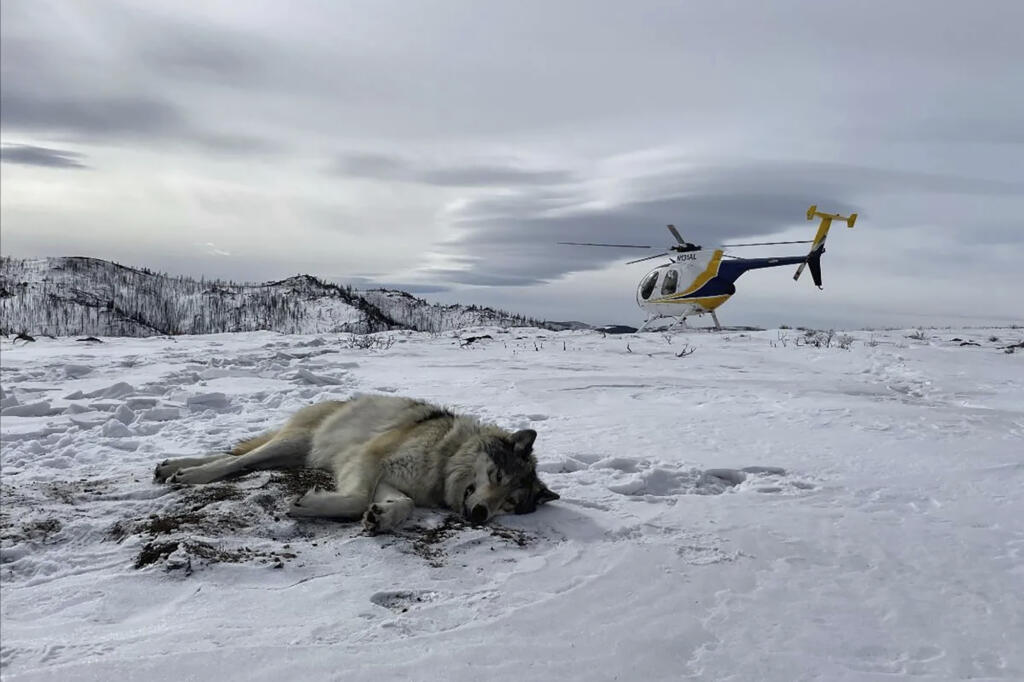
(818, 245)
(814, 261)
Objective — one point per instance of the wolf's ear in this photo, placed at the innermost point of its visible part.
(522, 442)
(545, 494)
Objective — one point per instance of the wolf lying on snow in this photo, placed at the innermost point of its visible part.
(388, 454)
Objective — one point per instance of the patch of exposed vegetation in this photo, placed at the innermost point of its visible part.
(295, 482)
(71, 492)
(37, 530)
(428, 542)
(199, 496)
(152, 552)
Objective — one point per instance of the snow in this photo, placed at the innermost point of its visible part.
(760, 509)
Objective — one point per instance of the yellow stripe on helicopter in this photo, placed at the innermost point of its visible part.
(710, 271)
(706, 302)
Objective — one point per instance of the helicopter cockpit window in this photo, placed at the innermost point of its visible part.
(669, 285)
(647, 288)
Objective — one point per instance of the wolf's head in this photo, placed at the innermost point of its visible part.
(504, 478)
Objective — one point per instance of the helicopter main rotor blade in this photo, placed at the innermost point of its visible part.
(640, 260)
(618, 246)
(800, 241)
(675, 233)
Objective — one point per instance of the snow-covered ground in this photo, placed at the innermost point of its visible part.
(878, 529)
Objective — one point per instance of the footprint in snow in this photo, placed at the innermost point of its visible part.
(402, 600)
(660, 481)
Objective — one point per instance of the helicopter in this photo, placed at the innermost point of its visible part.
(696, 282)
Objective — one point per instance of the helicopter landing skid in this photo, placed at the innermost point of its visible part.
(680, 321)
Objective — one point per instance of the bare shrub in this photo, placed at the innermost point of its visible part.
(368, 342)
(817, 338)
(687, 350)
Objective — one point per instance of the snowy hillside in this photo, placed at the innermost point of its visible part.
(86, 296)
(773, 505)
(415, 313)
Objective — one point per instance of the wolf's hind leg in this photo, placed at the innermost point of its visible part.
(389, 509)
(285, 451)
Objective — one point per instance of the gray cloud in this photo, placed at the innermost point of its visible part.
(89, 116)
(483, 176)
(398, 169)
(997, 126)
(193, 52)
(31, 155)
(112, 119)
(512, 240)
(821, 176)
(74, 90)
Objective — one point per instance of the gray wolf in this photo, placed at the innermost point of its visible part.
(388, 454)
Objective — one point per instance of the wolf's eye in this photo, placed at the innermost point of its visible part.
(497, 477)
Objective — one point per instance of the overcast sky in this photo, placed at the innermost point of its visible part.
(447, 146)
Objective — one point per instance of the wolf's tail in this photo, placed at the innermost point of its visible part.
(253, 443)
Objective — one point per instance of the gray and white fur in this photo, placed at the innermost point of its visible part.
(388, 455)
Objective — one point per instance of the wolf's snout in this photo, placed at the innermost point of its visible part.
(478, 514)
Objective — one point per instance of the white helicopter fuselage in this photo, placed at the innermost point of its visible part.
(696, 281)
(687, 286)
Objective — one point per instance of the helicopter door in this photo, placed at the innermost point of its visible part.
(668, 285)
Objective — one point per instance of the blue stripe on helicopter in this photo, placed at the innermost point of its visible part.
(729, 271)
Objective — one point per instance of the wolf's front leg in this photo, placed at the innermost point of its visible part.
(389, 509)
(329, 505)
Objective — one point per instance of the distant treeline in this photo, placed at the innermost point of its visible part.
(87, 296)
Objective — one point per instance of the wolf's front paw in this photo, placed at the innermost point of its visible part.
(373, 520)
(307, 505)
(191, 475)
(383, 517)
(163, 471)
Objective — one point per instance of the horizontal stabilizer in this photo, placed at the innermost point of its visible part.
(818, 247)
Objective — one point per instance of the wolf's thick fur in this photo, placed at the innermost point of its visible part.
(387, 455)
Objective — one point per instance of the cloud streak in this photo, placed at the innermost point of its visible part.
(511, 240)
(397, 169)
(30, 155)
